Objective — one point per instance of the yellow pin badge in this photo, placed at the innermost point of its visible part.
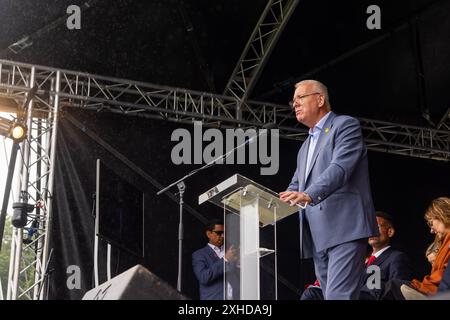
(327, 129)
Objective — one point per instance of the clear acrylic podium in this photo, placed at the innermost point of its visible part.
(248, 208)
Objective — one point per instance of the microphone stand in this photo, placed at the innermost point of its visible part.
(181, 189)
(12, 164)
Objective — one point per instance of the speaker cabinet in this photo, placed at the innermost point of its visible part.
(137, 283)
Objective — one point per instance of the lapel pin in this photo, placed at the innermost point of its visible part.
(327, 129)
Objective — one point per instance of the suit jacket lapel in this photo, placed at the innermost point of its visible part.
(212, 253)
(378, 261)
(319, 145)
(302, 162)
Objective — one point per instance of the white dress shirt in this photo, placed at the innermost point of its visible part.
(314, 133)
(378, 253)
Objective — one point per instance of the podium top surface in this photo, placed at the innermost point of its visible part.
(238, 190)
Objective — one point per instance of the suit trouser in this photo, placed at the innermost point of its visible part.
(312, 293)
(392, 290)
(340, 269)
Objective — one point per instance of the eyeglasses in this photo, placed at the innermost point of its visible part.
(301, 99)
(218, 232)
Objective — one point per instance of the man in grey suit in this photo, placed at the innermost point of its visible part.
(332, 180)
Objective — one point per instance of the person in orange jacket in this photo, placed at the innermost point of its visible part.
(438, 218)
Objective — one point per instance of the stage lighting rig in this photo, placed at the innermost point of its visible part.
(13, 129)
(18, 132)
(20, 213)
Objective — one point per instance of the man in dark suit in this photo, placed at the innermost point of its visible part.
(208, 264)
(385, 261)
(444, 286)
(332, 179)
(393, 264)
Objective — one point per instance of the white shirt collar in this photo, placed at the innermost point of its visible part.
(378, 253)
(319, 125)
(215, 248)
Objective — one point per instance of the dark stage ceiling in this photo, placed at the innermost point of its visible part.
(397, 73)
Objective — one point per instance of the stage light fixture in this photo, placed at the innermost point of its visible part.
(20, 214)
(18, 132)
(13, 129)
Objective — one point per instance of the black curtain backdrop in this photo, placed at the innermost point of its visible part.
(401, 186)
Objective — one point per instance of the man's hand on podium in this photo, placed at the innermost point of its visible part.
(231, 254)
(295, 198)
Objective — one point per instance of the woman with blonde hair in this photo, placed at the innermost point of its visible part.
(438, 218)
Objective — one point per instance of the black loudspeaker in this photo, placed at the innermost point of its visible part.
(137, 283)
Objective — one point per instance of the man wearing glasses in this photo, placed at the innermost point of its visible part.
(332, 181)
(208, 263)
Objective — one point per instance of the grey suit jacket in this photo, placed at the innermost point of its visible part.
(338, 183)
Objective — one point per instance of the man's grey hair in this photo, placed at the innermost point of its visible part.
(319, 86)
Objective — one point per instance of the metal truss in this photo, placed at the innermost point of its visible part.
(406, 140)
(64, 89)
(444, 124)
(257, 50)
(29, 245)
(105, 94)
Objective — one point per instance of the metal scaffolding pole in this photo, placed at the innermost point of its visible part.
(22, 196)
(270, 25)
(444, 124)
(26, 273)
(41, 217)
(49, 193)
